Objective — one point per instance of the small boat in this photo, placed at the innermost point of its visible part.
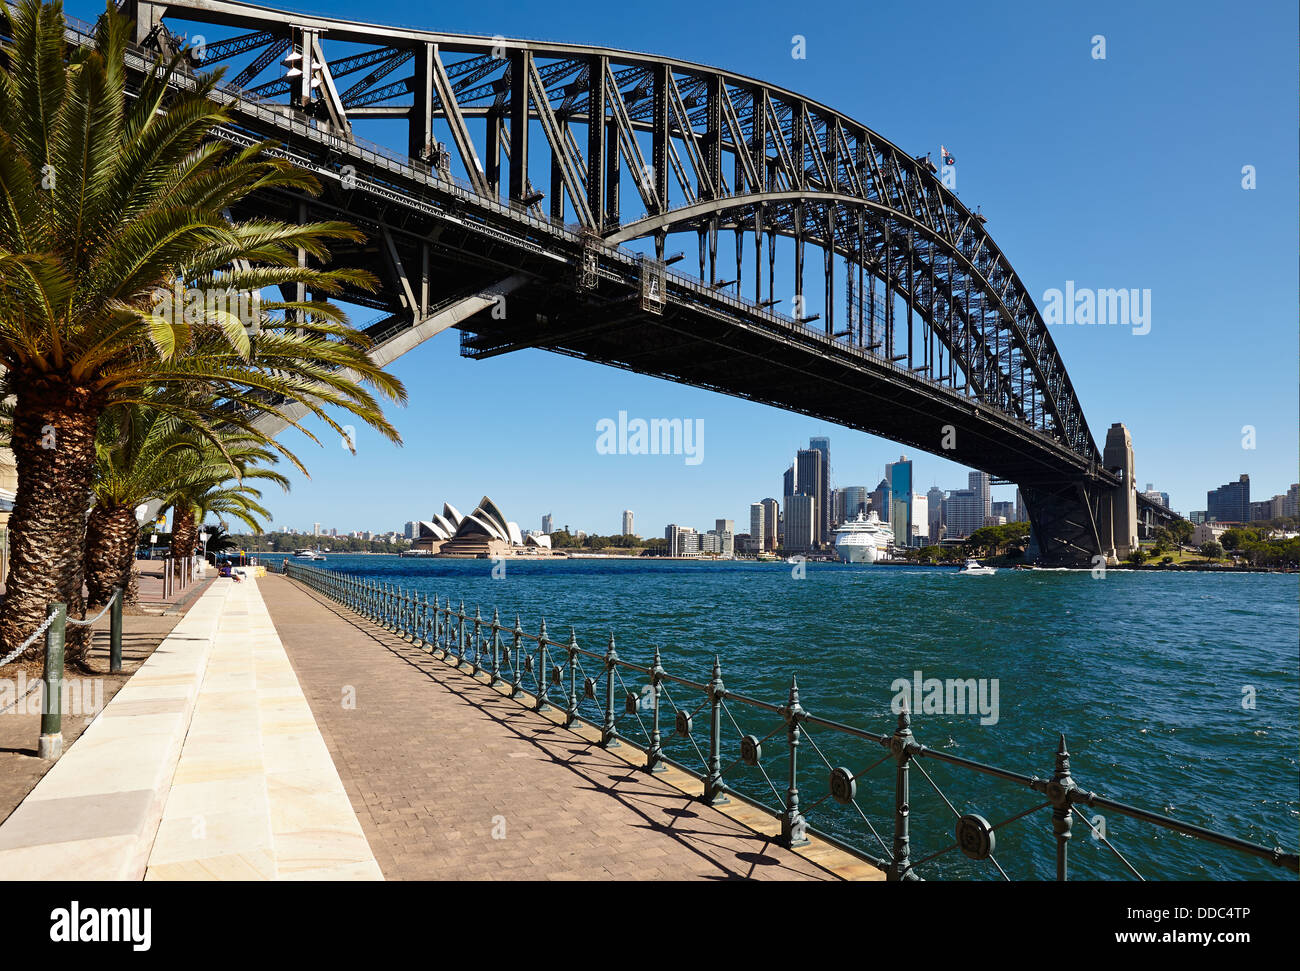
(973, 569)
(306, 554)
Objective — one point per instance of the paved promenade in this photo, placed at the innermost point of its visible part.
(452, 780)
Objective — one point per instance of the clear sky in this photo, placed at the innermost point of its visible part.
(1123, 172)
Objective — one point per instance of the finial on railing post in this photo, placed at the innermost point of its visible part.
(714, 787)
(1059, 790)
(571, 713)
(543, 692)
(609, 730)
(793, 826)
(654, 761)
(902, 744)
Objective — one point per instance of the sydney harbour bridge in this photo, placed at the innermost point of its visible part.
(543, 191)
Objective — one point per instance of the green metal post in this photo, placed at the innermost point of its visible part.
(1058, 790)
(902, 744)
(543, 692)
(496, 646)
(516, 665)
(50, 745)
(609, 730)
(571, 713)
(714, 787)
(115, 633)
(654, 761)
(793, 826)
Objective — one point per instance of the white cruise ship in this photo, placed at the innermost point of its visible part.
(863, 540)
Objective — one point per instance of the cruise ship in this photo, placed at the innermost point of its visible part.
(863, 540)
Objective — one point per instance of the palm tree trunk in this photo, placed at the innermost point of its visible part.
(184, 533)
(110, 553)
(54, 427)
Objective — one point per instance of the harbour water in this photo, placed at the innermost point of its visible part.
(1176, 692)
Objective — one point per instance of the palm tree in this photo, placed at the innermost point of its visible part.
(106, 203)
(146, 453)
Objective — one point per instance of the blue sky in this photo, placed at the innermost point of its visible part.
(1123, 172)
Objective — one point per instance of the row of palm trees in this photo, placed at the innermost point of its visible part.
(112, 194)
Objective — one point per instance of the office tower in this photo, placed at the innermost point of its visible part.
(823, 445)
(758, 524)
(409, 530)
(771, 523)
(899, 475)
(1022, 514)
(315, 529)
(1006, 510)
(848, 502)
(725, 526)
(809, 480)
(880, 500)
(1230, 503)
(800, 523)
(548, 524)
(1161, 498)
(627, 522)
(919, 530)
(934, 508)
(1291, 505)
(965, 510)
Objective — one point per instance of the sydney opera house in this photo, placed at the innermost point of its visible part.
(483, 533)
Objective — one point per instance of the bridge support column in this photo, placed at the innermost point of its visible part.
(1120, 507)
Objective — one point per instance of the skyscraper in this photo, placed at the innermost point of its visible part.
(800, 523)
(410, 530)
(899, 475)
(826, 510)
(757, 525)
(934, 508)
(771, 522)
(810, 479)
(847, 502)
(725, 526)
(1229, 503)
(880, 500)
(627, 522)
(966, 509)
(548, 524)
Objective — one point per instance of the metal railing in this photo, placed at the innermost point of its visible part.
(553, 673)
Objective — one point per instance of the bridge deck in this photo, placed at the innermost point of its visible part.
(433, 759)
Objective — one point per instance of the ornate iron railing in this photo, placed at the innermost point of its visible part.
(553, 673)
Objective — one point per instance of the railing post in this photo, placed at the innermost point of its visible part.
(50, 745)
(793, 826)
(115, 633)
(478, 641)
(609, 730)
(543, 692)
(496, 647)
(902, 744)
(654, 761)
(460, 634)
(516, 668)
(714, 788)
(571, 713)
(1059, 791)
(421, 620)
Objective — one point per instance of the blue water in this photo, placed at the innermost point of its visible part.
(1145, 673)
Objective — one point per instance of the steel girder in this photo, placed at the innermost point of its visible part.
(706, 151)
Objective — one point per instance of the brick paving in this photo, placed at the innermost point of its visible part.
(434, 761)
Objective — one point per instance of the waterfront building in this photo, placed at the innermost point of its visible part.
(899, 475)
(934, 509)
(757, 526)
(1230, 502)
(627, 523)
(771, 523)
(847, 502)
(1152, 494)
(1207, 533)
(800, 523)
(1265, 509)
(810, 477)
(880, 497)
(484, 532)
(966, 509)
(919, 516)
(822, 445)
(682, 540)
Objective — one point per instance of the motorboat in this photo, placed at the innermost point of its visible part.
(973, 569)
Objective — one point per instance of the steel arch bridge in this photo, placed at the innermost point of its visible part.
(541, 183)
